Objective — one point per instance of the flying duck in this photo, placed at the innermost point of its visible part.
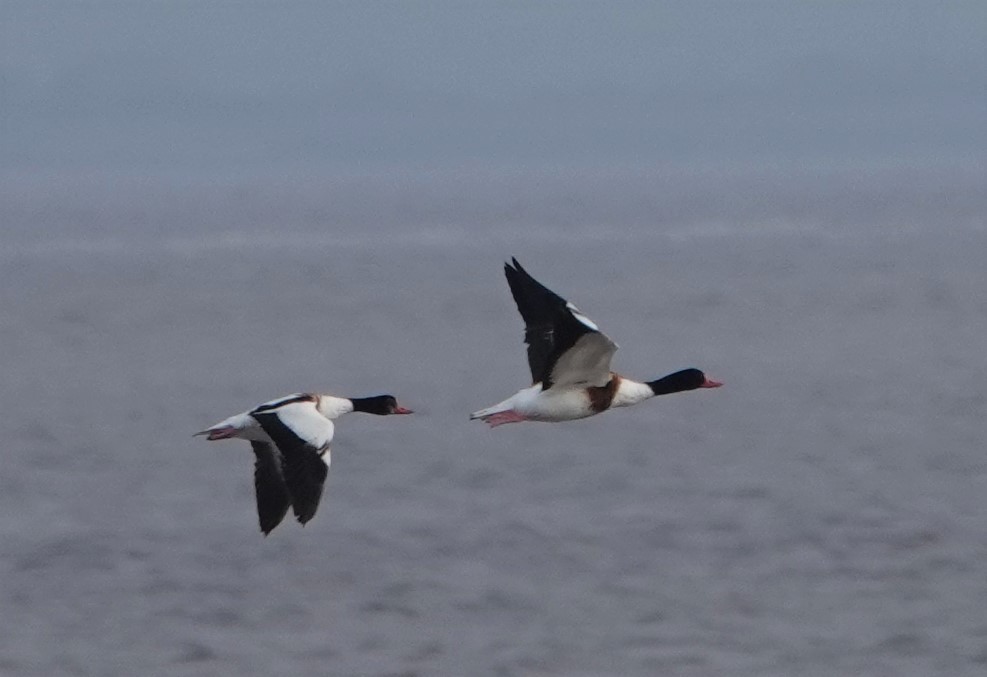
(290, 437)
(569, 359)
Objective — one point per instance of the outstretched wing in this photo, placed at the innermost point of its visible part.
(272, 494)
(302, 436)
(564, 346)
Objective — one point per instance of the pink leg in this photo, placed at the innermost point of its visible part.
(221, 433)
(502, 417)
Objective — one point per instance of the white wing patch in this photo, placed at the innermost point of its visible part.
(587, 363)
(307, 423)
(579, 316)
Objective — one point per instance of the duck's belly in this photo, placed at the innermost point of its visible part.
(565, 405)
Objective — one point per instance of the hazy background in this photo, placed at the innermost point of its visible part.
(204, 205)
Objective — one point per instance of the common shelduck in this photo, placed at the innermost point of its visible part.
(290, 437)
(570, 363)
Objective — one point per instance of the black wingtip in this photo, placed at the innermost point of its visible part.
(510, 272)
(268, 526)
(515, 272)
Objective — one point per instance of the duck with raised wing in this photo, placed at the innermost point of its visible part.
(569, 359)
(290, 437)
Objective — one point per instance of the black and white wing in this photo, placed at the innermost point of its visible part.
(272, 494)
(565, 348)
(302, 435)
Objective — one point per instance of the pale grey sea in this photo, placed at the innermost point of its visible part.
(823, 513)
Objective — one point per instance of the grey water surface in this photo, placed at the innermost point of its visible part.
(823, 513)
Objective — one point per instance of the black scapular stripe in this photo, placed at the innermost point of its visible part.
(306, 397)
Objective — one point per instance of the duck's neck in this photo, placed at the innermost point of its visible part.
(630, 392)
(370, 405)
(333, 407)
(686, 379)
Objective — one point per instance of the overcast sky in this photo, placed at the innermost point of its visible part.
(220, 88)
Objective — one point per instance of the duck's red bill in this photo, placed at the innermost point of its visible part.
(709, 383)
(402, 410)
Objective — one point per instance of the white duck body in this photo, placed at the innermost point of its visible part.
(537, 405)
(568, 404)
(246, 427)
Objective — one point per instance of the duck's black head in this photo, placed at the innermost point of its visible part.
(382, 405)
(687, 379)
